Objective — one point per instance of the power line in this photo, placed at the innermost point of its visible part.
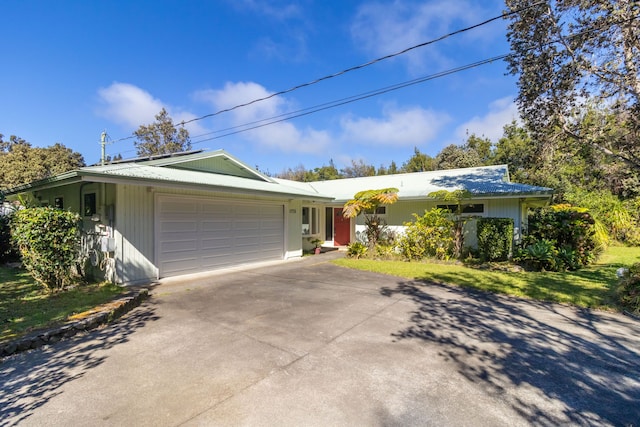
(333, 104)
(354, 68)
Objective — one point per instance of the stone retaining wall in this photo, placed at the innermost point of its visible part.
(100, 316)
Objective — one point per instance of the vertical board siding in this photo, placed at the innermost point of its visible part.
(134, 236)
(507, 208)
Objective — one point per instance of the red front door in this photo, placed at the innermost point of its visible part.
(341, 228)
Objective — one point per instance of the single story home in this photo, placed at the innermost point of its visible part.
(199, 211)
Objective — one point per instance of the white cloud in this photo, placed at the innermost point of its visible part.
(383, 28)
(131, 106)
(501, 112)
(284, 136)
(128, 105)
(405, 127)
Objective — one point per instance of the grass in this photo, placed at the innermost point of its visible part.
(26, 307)
(592, 287)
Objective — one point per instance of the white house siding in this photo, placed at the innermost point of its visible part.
(134, 234)
(402, 211)
(293, 224)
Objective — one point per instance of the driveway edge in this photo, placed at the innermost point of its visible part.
(82, 322)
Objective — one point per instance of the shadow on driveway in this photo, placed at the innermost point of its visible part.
(33, 380)
(497, 344)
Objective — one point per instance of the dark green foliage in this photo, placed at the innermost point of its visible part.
(561, 237)
(48, 240)
(495, 238)
(20, 163)
(430, 235)
(419, 162)
(7, 250)
(539, 256)
(629, 289)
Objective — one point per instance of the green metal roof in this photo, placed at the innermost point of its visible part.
(219, 171)
(214, 171)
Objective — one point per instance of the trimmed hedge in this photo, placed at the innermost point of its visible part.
(495, 238)
(49, 241)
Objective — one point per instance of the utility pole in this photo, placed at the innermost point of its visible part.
(103, 143)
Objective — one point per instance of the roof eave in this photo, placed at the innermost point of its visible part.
(154, 182)
(54, 181)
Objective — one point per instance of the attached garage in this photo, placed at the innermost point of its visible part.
(196, 234)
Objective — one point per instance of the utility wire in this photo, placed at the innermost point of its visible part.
(333, 104)
(354, 68)
(307, 111)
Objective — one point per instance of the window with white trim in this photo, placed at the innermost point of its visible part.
(310, 221)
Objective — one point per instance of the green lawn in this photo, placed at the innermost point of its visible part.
(25, 307)
(590, 287)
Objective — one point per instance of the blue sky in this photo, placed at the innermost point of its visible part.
(71, 69)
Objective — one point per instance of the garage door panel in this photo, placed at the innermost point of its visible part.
(197, 234)
(179, 245)
(217, 226)
(179, 226)
(214, 243)
(176, 206)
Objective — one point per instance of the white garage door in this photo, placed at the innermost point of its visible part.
(199, 234)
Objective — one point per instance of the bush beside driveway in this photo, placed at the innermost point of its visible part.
(311, 343)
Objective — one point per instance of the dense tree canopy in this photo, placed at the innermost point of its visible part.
(21, 163)
(161, 137)
(419, 162)
(578, 66)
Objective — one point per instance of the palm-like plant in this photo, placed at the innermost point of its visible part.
(367, 202)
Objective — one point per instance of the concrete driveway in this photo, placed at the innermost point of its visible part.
(309, 343)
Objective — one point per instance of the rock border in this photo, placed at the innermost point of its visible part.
(102, 315)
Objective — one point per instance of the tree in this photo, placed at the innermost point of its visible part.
(482, 146)
(368, 202)
(393, 168)
(21, 163)
(297, 173)
(358, 169)
(571, 56)
(455, 156)
(326, 173)
(419, 162)
(161, 137)
(516, 149)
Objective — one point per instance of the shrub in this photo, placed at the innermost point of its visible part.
(629, 289)
(385, 251)
(495, 238)
(356, 250)
(7, 249)
(430, 235)
(539, 256)
(48, 240)
(570, 233)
